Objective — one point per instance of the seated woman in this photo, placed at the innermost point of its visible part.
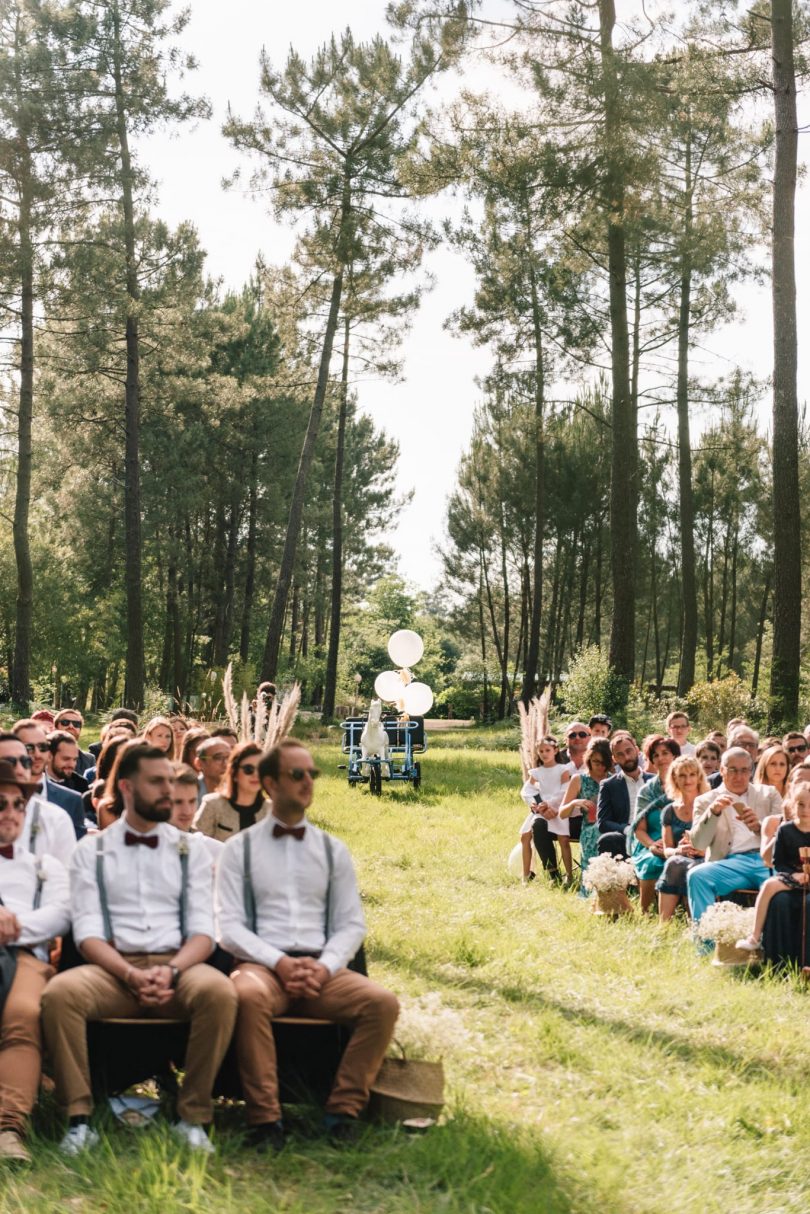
(791, 860)
(544, 787)
(685, 781)
(646, 844)
(773, 769)
(580, 798)
(240, 802)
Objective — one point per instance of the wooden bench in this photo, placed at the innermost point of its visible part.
(125, 1050)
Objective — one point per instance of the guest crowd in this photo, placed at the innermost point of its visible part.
(171, 871)
(698, 822)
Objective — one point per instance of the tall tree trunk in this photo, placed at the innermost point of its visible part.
(250, 559)
(732, 631)
(787, 582)
(763, 617)
(689, 610)
(483, 631)
(134, 681)
(531, 672)
(230, 576)
(597, 600)
(330, 682)
(21, 670)
(583, 592)
(285, 573)
(624, 451)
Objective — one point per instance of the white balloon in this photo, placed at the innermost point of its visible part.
(405, 647)
(389, 686)
(418, 699)
(515, 862)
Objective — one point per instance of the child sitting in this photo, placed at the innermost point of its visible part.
(791, 872)
(543, 792)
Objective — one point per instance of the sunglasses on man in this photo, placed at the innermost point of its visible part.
(68, 725)
(17, 803)
(797, 750)
(300, 773)
(21, 761)
(578, 733)
(43, 747)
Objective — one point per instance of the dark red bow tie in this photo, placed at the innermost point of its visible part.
(7, 851)
(279, 832)
(147, 840)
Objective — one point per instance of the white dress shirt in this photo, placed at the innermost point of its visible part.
(55, 835)
(143, 890)
(742, 839)
(634, 787)
(18, 887)
(290, 879)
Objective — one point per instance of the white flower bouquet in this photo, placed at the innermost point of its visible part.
(605, 873)
(725, 923)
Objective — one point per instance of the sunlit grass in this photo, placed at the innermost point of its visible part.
(600, 1066)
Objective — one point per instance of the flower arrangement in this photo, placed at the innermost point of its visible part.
(725, 923)
(606, 872)
(428, 1029)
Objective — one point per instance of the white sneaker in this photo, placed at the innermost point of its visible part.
(194, 1136)
(749, 945)
(79, 1138)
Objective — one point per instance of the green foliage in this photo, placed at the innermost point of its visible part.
(463, 700)
(716, 703)
(592, 686)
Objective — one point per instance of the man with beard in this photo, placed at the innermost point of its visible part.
(35, 741)
(62, 763)
(47, 830)
(616, 806)
(142, 909)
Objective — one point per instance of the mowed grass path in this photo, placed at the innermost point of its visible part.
(596, 1066)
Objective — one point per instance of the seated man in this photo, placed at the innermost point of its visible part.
(142, 908)
(47, 829)
(35, 908)
(616, 805)
(36, 743)
(726, 825)
(289, 911)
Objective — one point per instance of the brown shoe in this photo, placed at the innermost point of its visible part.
(12, 1147)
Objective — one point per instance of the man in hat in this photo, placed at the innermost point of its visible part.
(35, 909)
(143, 918)
(293, 952)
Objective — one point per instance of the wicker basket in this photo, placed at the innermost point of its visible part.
(729, 955)
(406, 1088)
(612, 903)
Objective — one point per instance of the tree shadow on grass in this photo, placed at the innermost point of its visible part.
(671, 1044)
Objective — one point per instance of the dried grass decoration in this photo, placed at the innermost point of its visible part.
(407, 1090)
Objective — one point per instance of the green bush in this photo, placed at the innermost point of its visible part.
(466, 700)
(716, 703)
(593, 686)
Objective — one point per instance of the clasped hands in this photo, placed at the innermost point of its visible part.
(301, 977)
(152, 987)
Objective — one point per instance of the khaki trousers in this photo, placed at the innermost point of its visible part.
(347, 998)
(204, 996)
(21, 1042)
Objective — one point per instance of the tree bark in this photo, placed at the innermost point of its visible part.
(624, 453)
(21, 670)
(250, 560)
(134, 680)
(285, 573)
(689, 609)
(787, 585)
(531, 672)
(330, 682)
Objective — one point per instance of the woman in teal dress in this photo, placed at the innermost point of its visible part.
(646, 831)
(580, 798)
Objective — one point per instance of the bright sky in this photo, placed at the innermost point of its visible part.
(430, 413)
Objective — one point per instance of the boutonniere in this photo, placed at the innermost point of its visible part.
(182, 846)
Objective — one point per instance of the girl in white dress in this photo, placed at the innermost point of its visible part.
(543, 792)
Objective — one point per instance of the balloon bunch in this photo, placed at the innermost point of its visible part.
(405, 648)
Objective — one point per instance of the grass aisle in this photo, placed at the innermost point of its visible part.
(592, 1066)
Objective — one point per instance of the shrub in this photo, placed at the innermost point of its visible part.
(716, 703)
(466, 700)
(593, 686)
